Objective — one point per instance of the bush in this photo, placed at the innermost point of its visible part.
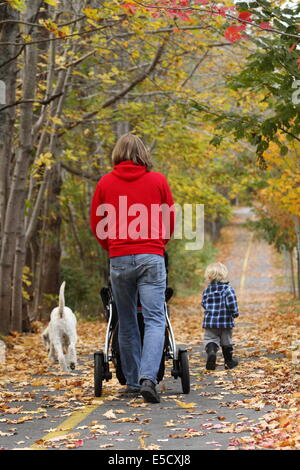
(82, 289)
(186, 268)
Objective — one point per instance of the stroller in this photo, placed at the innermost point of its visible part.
(111, 352)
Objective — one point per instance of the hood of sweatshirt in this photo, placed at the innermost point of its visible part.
(129, 171)
(217, 286)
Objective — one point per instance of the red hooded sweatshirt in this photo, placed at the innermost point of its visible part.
(126, 214)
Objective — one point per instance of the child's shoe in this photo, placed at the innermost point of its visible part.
(211, 350)
(230, 363)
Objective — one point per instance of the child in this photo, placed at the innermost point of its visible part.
(220, 306)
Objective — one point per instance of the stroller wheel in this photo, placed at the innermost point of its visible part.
(184, 374)
(119, 371)
(98, 373)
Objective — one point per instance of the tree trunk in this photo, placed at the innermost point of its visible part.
(17, 282)
(297, 230)
(51, 258)
(35, 261)
(16, 200)
(291, 256)
(8, 33)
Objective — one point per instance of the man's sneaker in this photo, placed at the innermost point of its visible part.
(230, 362)
(148, 392)
(211, 349)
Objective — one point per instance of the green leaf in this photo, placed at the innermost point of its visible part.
(284, 150)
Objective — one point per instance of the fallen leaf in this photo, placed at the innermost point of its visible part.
(109, 414)
(182, 404)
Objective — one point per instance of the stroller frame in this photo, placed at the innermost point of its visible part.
(110, 352)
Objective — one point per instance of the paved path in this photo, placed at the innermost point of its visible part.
(194, 421)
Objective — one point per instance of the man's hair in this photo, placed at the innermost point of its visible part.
(131, 147)
(216, 272)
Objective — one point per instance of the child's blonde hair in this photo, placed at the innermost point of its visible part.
(216, 272)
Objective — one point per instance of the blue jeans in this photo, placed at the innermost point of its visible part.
(142, 274)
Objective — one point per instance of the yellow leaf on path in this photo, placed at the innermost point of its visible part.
(97, 401)
(185, 405)
(142, 442)
(284, 421)
(169, 424)
(13, 411)
(153, 447)
(63, 437)
(287, 443)
(126, 420)
(38, 410)
(149, 447)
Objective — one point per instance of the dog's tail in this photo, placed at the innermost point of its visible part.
(61, 304)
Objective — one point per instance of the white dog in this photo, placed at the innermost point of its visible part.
(60, 335)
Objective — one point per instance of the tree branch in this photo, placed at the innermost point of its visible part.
(125, 90)
(194, 69)
(27, 23)
(139, 79)
(76, 62)
(212, 11)
(40, 41)
(80, 173)
(44, 102)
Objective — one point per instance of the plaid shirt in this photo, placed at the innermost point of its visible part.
(220, 305)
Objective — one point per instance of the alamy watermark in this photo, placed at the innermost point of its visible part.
(296, 93)
(139, 222)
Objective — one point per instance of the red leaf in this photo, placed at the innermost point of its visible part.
(292, 47)
(298, 62)
(78, 443)
(245, 15)
(232, 33)
(222, 11)
(184, 15)
(218, 11)
(130, 8)
(265, 25)
(155, 15)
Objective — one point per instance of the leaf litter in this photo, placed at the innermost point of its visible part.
(266, 380)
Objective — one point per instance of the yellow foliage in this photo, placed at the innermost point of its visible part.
(53, 3)
(26, 281)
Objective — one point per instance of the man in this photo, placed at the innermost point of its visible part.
(132, 217)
